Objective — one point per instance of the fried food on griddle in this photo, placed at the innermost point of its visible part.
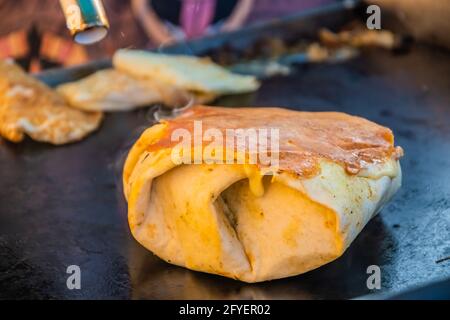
(249, 221)
(193, 74)
(358, 38)
(29, 107)
(141, 78)
(113, 90)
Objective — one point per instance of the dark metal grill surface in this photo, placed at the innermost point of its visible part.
(61, 206)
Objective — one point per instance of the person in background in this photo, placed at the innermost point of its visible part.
(34, 33)
(168, 21)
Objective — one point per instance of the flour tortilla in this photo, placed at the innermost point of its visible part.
(187, 72)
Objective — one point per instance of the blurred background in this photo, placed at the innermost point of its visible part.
(33, 32)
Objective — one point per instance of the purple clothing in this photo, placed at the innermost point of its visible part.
(196, 16)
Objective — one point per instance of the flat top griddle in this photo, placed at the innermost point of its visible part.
(62, 206)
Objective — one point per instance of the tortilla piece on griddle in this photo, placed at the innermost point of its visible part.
(187, 72)
(29, 107)
(113, 90)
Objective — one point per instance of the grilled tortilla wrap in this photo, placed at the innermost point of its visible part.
(248, 221)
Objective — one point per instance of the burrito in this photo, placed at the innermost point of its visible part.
(214, 210)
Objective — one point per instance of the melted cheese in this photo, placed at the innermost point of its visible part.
(305, 138)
